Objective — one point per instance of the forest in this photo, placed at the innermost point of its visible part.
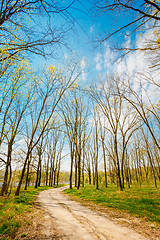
(107, 131)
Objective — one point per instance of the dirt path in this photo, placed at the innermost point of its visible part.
(76, 222)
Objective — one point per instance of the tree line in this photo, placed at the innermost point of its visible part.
(105, 125)
(114, 123)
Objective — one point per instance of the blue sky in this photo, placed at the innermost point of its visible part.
(83, 40)
(97, 58)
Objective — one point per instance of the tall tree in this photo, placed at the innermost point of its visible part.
(12, 115)
(51, 91)
(121, 122)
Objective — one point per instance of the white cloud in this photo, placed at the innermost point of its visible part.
(98, 58)
(119, 68)
(98, 67)
(134, 66)
(66, 56)
(83, 65)
(127, 43)
(99, 61)
(105, 61)
(131, 64)
(109, 57)
(91, 29)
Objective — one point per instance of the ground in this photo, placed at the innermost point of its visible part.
(55, 216)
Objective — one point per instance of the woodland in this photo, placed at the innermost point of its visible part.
(107, 131)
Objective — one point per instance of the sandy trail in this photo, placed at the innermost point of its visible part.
(76, 222)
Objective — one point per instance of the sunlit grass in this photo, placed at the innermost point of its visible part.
(12, 209)
(143, 202)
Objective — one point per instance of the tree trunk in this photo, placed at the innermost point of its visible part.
(104, 161)
(37, 173)
(89, 176)
(54, 180)
(79, 171)
(83, 170)
(22, 174)
(93, 172)
(47, 169)
(50, 173)
(27, 175)
(40, 172)
(152, 167)
(118, 166)
(71, 170)
(5, 180)
(10, 177)
(58, 171)
(75, 169)
(96, 176)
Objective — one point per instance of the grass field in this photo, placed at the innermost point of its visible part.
(12, 210)
(143, 202)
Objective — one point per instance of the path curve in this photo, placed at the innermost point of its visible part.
(76, 222)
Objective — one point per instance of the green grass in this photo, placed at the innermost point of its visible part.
(12, 209)
(143, 202)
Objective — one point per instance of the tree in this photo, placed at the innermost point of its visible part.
(140, 100)
(96, 147)
(88, 162)
(75, 118)
(111, 105)
(145, 17)
(20, 27)
(102, 139)
(121, 122)
(12, 88)
(13, 112)
(40, 150)
(55, 148)
(50, 92)
(59, 158)
(148, 150)
(69, 120)
(142, 12)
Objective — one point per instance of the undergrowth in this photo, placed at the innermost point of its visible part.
(13, 208)
(141, 201)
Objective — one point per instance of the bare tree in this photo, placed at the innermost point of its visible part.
(102, 138)
(12, 122)
(121, 122)
(51, 92)
(69, 120)
(88, 163)
(110, 105)
(96, 147)
(21, 30)
(75, 118)
(145, 16)
(148, 150)
(146, 109)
